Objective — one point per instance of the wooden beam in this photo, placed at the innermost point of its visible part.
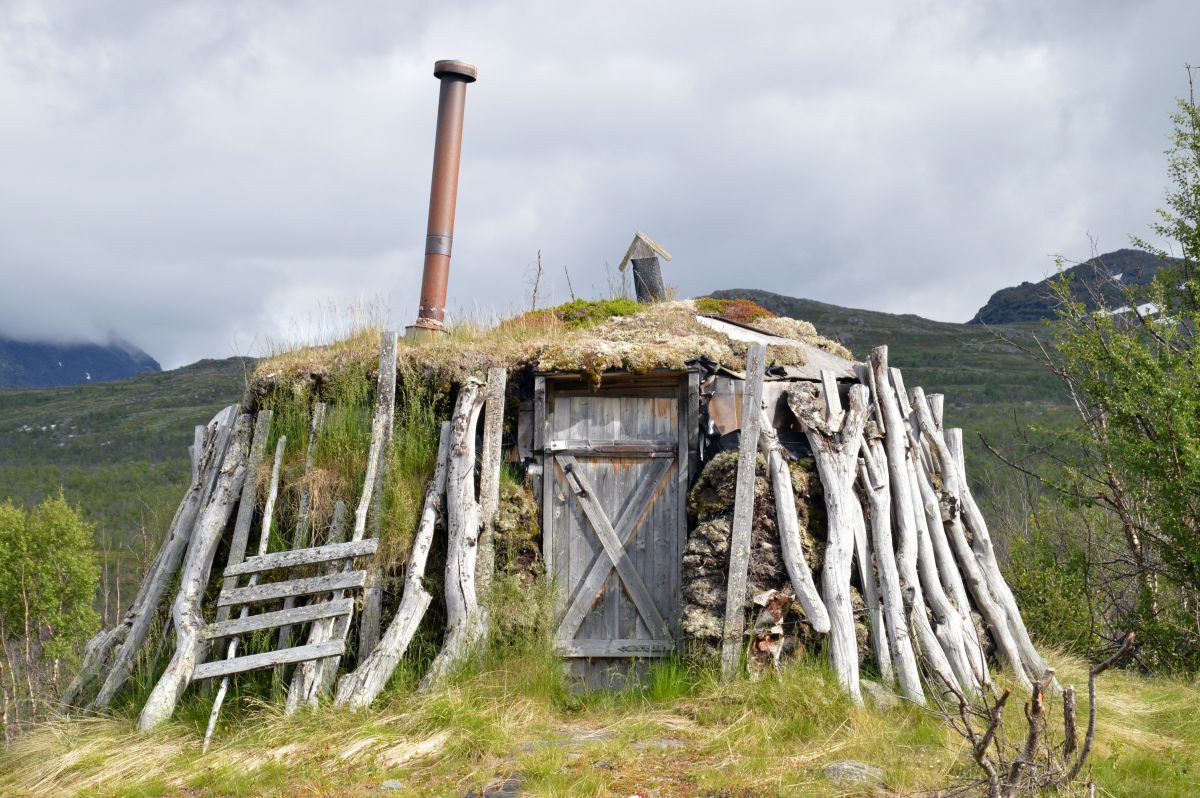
(291, 588)
(224, 667)
(743, 511)
(272, 620)
(297, 557)
(615, 648)
(613, 447)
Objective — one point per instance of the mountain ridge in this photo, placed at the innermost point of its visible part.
(1104, 275)
(45, 364)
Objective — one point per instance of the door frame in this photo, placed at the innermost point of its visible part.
(686, 385)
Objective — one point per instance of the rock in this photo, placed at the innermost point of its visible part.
(392, 785)
(853, 772)
(509, 788)
(881, 696)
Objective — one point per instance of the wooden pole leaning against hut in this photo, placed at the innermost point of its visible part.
(465, 625)
(790, 545)
(977, 580)
(314, 677)
(383, 420)
(111, 654)
(189, 643)
(835, 439)
(362, 686)
(743, 511)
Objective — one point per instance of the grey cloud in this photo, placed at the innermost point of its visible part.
(203, 179)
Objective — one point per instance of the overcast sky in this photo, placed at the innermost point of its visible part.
(209, 178)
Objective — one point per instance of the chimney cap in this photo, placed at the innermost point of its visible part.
(643, 246)
(453, 68)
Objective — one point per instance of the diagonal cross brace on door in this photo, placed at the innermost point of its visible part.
(568, 467)
(628, 520)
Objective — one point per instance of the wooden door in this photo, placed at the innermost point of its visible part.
(615, 478)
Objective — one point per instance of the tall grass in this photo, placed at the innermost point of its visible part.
(420, 410)
(684, 732)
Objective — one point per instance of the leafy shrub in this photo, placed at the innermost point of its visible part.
(580, 314)
(739, 311)
(48, 578)
(1047, 571)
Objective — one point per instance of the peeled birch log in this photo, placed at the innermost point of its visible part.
(790, 545)
(359, 688)
(981, 543)
(189, 643)
(877, 490)
(993, 613)
(934, 535)
(381, 431)
(864, 556)
(130, 635)
(463, 620)
(835, 443)
(489, 477)
(264, 540)
(385, 403)
(943, 661)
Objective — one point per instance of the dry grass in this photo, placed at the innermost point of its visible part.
(686, 733)
(660, 336)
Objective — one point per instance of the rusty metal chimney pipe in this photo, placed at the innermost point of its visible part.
(443, 194)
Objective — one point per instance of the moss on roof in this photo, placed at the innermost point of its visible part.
(590, 338)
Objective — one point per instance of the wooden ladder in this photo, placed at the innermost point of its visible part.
(233, 597)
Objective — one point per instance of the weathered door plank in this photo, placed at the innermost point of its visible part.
(586, 495)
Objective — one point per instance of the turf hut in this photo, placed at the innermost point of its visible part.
(692, 478)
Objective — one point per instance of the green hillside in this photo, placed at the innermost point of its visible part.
(970, 363)
(992, 388)
(118, 449)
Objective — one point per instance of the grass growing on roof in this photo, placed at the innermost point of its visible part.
(579, 314)
(739, 311)
(593, 338)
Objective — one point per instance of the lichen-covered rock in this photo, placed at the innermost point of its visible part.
(517, 539)
(706, 557)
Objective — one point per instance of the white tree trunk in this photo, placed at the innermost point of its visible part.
(944, 662)
(993, 613)
(790, 545)
(835, 443)
(385, 403)
(865, 558)
(463, 618)
(489, 477)
(875, 486)
(129, 637)
(359, 688)
(981, 543)
(189, 644)
(926, 500)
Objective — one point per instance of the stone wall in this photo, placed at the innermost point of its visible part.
(706, 557)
